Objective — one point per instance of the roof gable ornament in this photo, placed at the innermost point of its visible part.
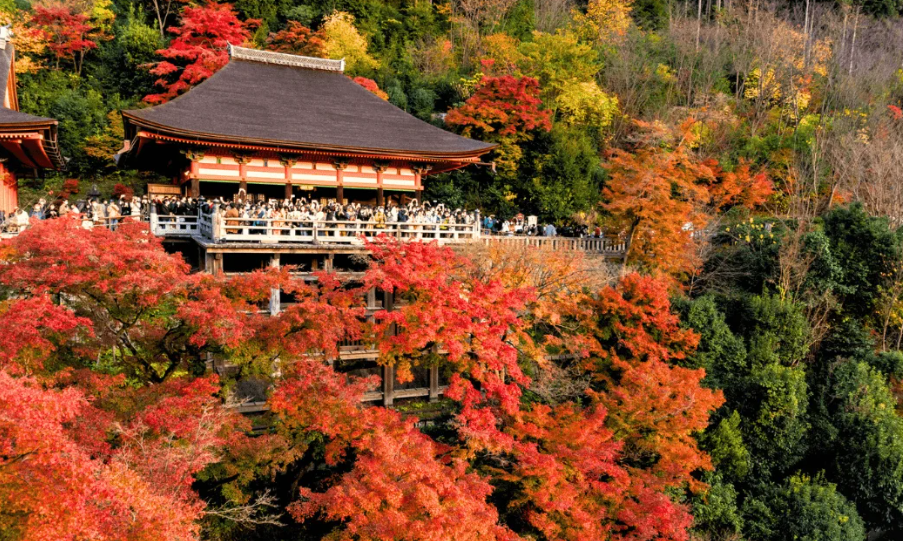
(6, 35)
(285, 59)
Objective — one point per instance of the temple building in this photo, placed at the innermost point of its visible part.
(273, 125)
(28, 143)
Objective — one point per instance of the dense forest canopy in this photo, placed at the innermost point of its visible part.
(738, 376)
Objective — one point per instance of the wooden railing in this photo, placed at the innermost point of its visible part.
(282, 230)
(173, 226)
(603, 245)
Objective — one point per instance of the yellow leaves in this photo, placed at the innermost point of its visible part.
(605, 21)
(27, 41)
(502, 50)
(344, 41)
(557, 60)
(586, 104)
(665, 73)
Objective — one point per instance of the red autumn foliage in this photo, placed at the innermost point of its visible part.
(120, 190)
(62, 484)
(66, 33)
(401, 485)
(199, 49)
(371, 85)
(296, 38)
(70, 187)
(660, 193)
(601, 467)
(502, 106)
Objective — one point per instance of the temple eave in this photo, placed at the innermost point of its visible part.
(148, 131)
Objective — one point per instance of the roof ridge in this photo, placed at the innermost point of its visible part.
(285, 59)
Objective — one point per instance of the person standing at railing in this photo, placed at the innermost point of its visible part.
(113, 213)
(232, 212)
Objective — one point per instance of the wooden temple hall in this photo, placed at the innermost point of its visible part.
(28, 143)
(275, 125)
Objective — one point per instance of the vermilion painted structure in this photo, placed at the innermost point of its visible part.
(27, 142)
(270, 119)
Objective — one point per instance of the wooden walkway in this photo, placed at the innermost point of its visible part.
(604, 246)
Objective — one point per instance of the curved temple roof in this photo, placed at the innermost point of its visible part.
(32, 139)
(297, 102)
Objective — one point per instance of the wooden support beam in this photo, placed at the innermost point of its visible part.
(388, 385)
(434, 383)
(275, 293)
(195, 187)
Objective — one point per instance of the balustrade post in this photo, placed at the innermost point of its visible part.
(154, 222)
(275, 293)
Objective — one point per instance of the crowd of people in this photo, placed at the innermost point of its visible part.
(276, 216)
(92, 212)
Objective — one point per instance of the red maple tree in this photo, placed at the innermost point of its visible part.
(67, 33)
(296, 38)
(502, 106)
(199, 49)
(603, 466)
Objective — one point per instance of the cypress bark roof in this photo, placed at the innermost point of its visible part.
(14, 122)
(297, 102)
(12, 117)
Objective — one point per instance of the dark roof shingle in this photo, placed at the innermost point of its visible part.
(251, 101)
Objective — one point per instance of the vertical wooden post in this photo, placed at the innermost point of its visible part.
(195, 187)
(380, 167)
(340, 165)
(217, 263)
(419, 172)
(209, 262)
(434, 383)
(275, 293)
(242, 161)
(288, 163)
(388, 385)
(388, 371)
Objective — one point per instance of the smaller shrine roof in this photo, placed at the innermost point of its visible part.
(14, 123)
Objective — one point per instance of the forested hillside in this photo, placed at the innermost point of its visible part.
(739, 376)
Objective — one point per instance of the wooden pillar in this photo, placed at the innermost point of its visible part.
(195, 157)
(208, 262)
(217, 264)
(340, 165)
(275, 293)
(288, 163)
(327, 263)
(242, 161)
(388, 385)
(379, 167)
(434, 383)
(419, 172)
(388, 371)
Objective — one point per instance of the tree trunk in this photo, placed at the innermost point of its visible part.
(853, 43)
(698, 22)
